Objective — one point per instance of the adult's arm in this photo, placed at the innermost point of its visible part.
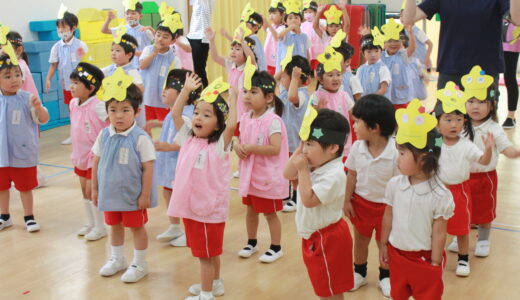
(412, 13)
(514, 7)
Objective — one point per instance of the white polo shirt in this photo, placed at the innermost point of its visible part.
(414, 208)
(372, 173)
(501, 143)
(455, 161)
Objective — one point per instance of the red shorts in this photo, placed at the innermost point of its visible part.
(460, 222)
(327, 254)
(167, 189)
(237, 130)
(83, 173)
(398, 106)
(204, 239)
(314, 64)
(67, 96)
(414, 275)
(262, 205)
(344, 160)
(136, 218)
(25, 179)
(271, 70)
(483, 197)
(155, 113)
(369, 216)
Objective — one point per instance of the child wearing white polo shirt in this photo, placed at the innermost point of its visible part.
(371, 163)
(326, 240)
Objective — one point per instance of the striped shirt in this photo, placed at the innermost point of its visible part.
(200, 19)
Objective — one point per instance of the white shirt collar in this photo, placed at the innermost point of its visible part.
(327, 166)
(387, 153)
(112, 130)
(422, 188)
(69, 42)
(484, 124)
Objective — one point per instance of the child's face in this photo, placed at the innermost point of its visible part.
(285, 80)
(316, 154)
(10, 80)
(169, 96)
(361, 129)
(256, 100)
(237, 55)
(372, 55)
(79, 90)
(133, 17)
(293, 19)
(276, 17)
(450, 125)
(478, 110)
(393, 46)
(121, 115)
(309, 15)
(163, 40)
(204, 121)
(331, 81)
(65, 31)
(253, 28)
(118, 55)
(332, 29)
(406, 162)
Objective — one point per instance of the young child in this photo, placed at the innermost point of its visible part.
(88, 117)
(371, 163)
(18, 139)
(351, 83)
(329, 94)
(155, 62)
(262, 149)
(310, 9)
(205, 143)
(168, 152)
(424, 46)
(254, 22)
(295, 98)
(457, 155)
(276, 16)
(142, 35)
(326, 240)
(336, 19)
(65, 56)
(122, 175)
(373, 75)
(482, 111)
(418, 208)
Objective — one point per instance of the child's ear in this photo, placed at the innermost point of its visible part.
(333, 149)
(91, 88)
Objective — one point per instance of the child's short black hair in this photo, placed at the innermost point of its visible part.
(279, 7)
(174, 35)
(346, 50)
(7, 64)
(367, 43)
(256, 20)
(375, 110)
(133, 95)
(312, 5)
(264, 81)
(16, 41)
(138, 8)
(302, 63)
(468, 128)
(332, 120)
(249, 41)
(129, 44)
(69, 19)
(176, 79)
(428, 157)
(299, 14)
(89, 75)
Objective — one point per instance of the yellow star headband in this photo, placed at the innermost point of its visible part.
(310, 114)
(211, 95)
(379, 38)
(4, 30)
(62, 11)
(9, 50)
(165, 10)
(476, 83)
(274, 3)
(333, 15)
(292, 6)
(173, 22)
(241, 30)
(324, 135)
(130, 4)
(392, 30)
(114, 87)
(414, 124)
(516, 35)
(288, 57)
(340, 36)
(330, 59)
(119, 33)
(452, 98)
(247, 12)
(249, 71)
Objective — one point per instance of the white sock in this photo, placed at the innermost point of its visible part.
(216, 282)
(206, 295)
(88, 211)
(175, 226)
(139, 257)
(118, 251)
(99, 218)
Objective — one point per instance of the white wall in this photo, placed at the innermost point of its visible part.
(18, 13)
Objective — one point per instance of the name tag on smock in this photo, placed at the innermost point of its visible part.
(201, 160)
(17, 117)
(123, 156)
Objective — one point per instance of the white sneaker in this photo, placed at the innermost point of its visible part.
(171, 233)
(270, 256)
(454, 246)
(290, 206)
(84, 230)
(482, 248)
(247, 251)
(134, 273)
(32, 226)
(112, 266)
(4, 224)
(199, 297)
(218, 288)
(359, 281)
(463, 269)
(179, 242)
(384, 286)
(236, 174)
(67, 141)
(96, 234)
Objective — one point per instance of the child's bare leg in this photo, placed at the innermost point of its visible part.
(167, 194)
(117, 235)
(140, 238)
(207, 273)
(275, 228)
(216, 267)
(463, 242)
(335, 297)
(251, 223)
(361, 243)
(4, 202)
(27, 201)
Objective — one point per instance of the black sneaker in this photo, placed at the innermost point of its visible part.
(509, 123)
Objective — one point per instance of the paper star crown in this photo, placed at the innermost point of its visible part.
(172, 22)
(115, 86)
(249, 71)
(324, 135)
(392, 30)
(165, 10)
(293, 6)
(476, 83)
(62, 11)
(82, 73)
(241, 31)
(516, 35)
(330, 59)
(452, 98)
(310, 4)
(212, 94)
(288, 57)
(121, 30)
(379, 38)
(9, 50)
(340, 36)
(246, 13)
(4, 30)
(413, 125)
(130, 4)
(277, 5)
(333, 15)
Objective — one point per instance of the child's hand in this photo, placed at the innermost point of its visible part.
(152, 124)
(143, 202)
(111, 16)
(161, 146)
(146, 28)
(80, 52)
(489, 140)
(300, 162)
(383, 256)
(348, 210)
(223, 31)
(35, 102)
(47, 86)
(233, 92)
(363, 30)
(296, 73)
(138, 53)
(192, 82)
(428, 62)
(322, 103)
(240, 151)
(210, 34)
(155, 51)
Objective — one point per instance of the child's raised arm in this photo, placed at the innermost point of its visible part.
(191, 83)
(225, 34)
(292, 93)
(110, 16)
(346, 17)
(232, 119)
(316, 22)
(147, 61)
(412, 45)
(438, 240)
(210, 35)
